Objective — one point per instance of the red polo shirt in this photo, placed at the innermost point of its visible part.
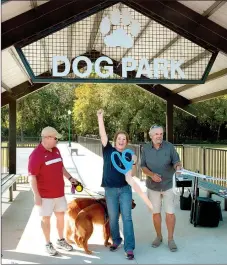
(48, 168)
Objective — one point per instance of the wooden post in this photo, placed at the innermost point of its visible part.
(12, 141)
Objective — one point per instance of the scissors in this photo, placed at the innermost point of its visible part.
(127, 164)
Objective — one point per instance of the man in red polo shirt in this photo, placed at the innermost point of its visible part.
(46, 171)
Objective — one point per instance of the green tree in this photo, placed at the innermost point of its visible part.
(213, 113)
(127, 107)
(48, 107)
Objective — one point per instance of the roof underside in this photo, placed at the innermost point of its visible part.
(16, 16)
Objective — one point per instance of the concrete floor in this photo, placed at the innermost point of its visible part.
(23, 242)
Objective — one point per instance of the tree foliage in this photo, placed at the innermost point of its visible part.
(47, 107)
(127, 107)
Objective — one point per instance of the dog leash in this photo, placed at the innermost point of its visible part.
(86, 189)
(79, 188)
(104, 206)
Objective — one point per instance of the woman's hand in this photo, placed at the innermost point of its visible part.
(100, 113)
(102, 130)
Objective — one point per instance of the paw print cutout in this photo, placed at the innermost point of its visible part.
(119, 37)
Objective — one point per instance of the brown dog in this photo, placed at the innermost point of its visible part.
(83, 213)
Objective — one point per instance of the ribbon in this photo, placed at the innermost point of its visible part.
(194, 174)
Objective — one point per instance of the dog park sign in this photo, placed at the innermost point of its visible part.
(144, 67)
(142, 59)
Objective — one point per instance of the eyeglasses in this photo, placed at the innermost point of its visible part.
(55, 138)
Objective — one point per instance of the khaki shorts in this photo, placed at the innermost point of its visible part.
(156, 199)
(52, 205)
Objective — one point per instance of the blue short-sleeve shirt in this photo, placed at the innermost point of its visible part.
(162, 162)
(111, 177)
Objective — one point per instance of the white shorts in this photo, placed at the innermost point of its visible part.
(52, 205)
(156, 199)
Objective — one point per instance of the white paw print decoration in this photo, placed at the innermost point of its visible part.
(119, 37)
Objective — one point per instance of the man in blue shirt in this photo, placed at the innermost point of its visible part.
(159, 161)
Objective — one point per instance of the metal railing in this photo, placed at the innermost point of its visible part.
(5, 154)
(25, 139)
(22, 180)
(21, 145)
(208, 161)
(94, 145)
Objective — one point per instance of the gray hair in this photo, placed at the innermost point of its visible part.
(153, 127)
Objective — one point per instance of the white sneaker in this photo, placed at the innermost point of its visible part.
(51, 250)
(61, 243)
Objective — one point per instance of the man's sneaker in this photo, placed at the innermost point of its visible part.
(114, 247)
(172, 245)
(61, 243)
(51, 250)
(129, 255)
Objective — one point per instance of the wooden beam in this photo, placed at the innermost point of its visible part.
(111, 29)
(20, 91)
(13, 53)
(166, 94)
(48, 18)
(6, 87)
(184, 21)
(33, 4)
(210, 78)
(213, 8)
(12, 136)
(195, 59)
(95, 29)
(207, 13)
(209, 96)
(69, 45)
(166, 47)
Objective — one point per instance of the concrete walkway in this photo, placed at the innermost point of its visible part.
(23, 242)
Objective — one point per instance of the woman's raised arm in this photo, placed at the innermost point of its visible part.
(102, 130)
